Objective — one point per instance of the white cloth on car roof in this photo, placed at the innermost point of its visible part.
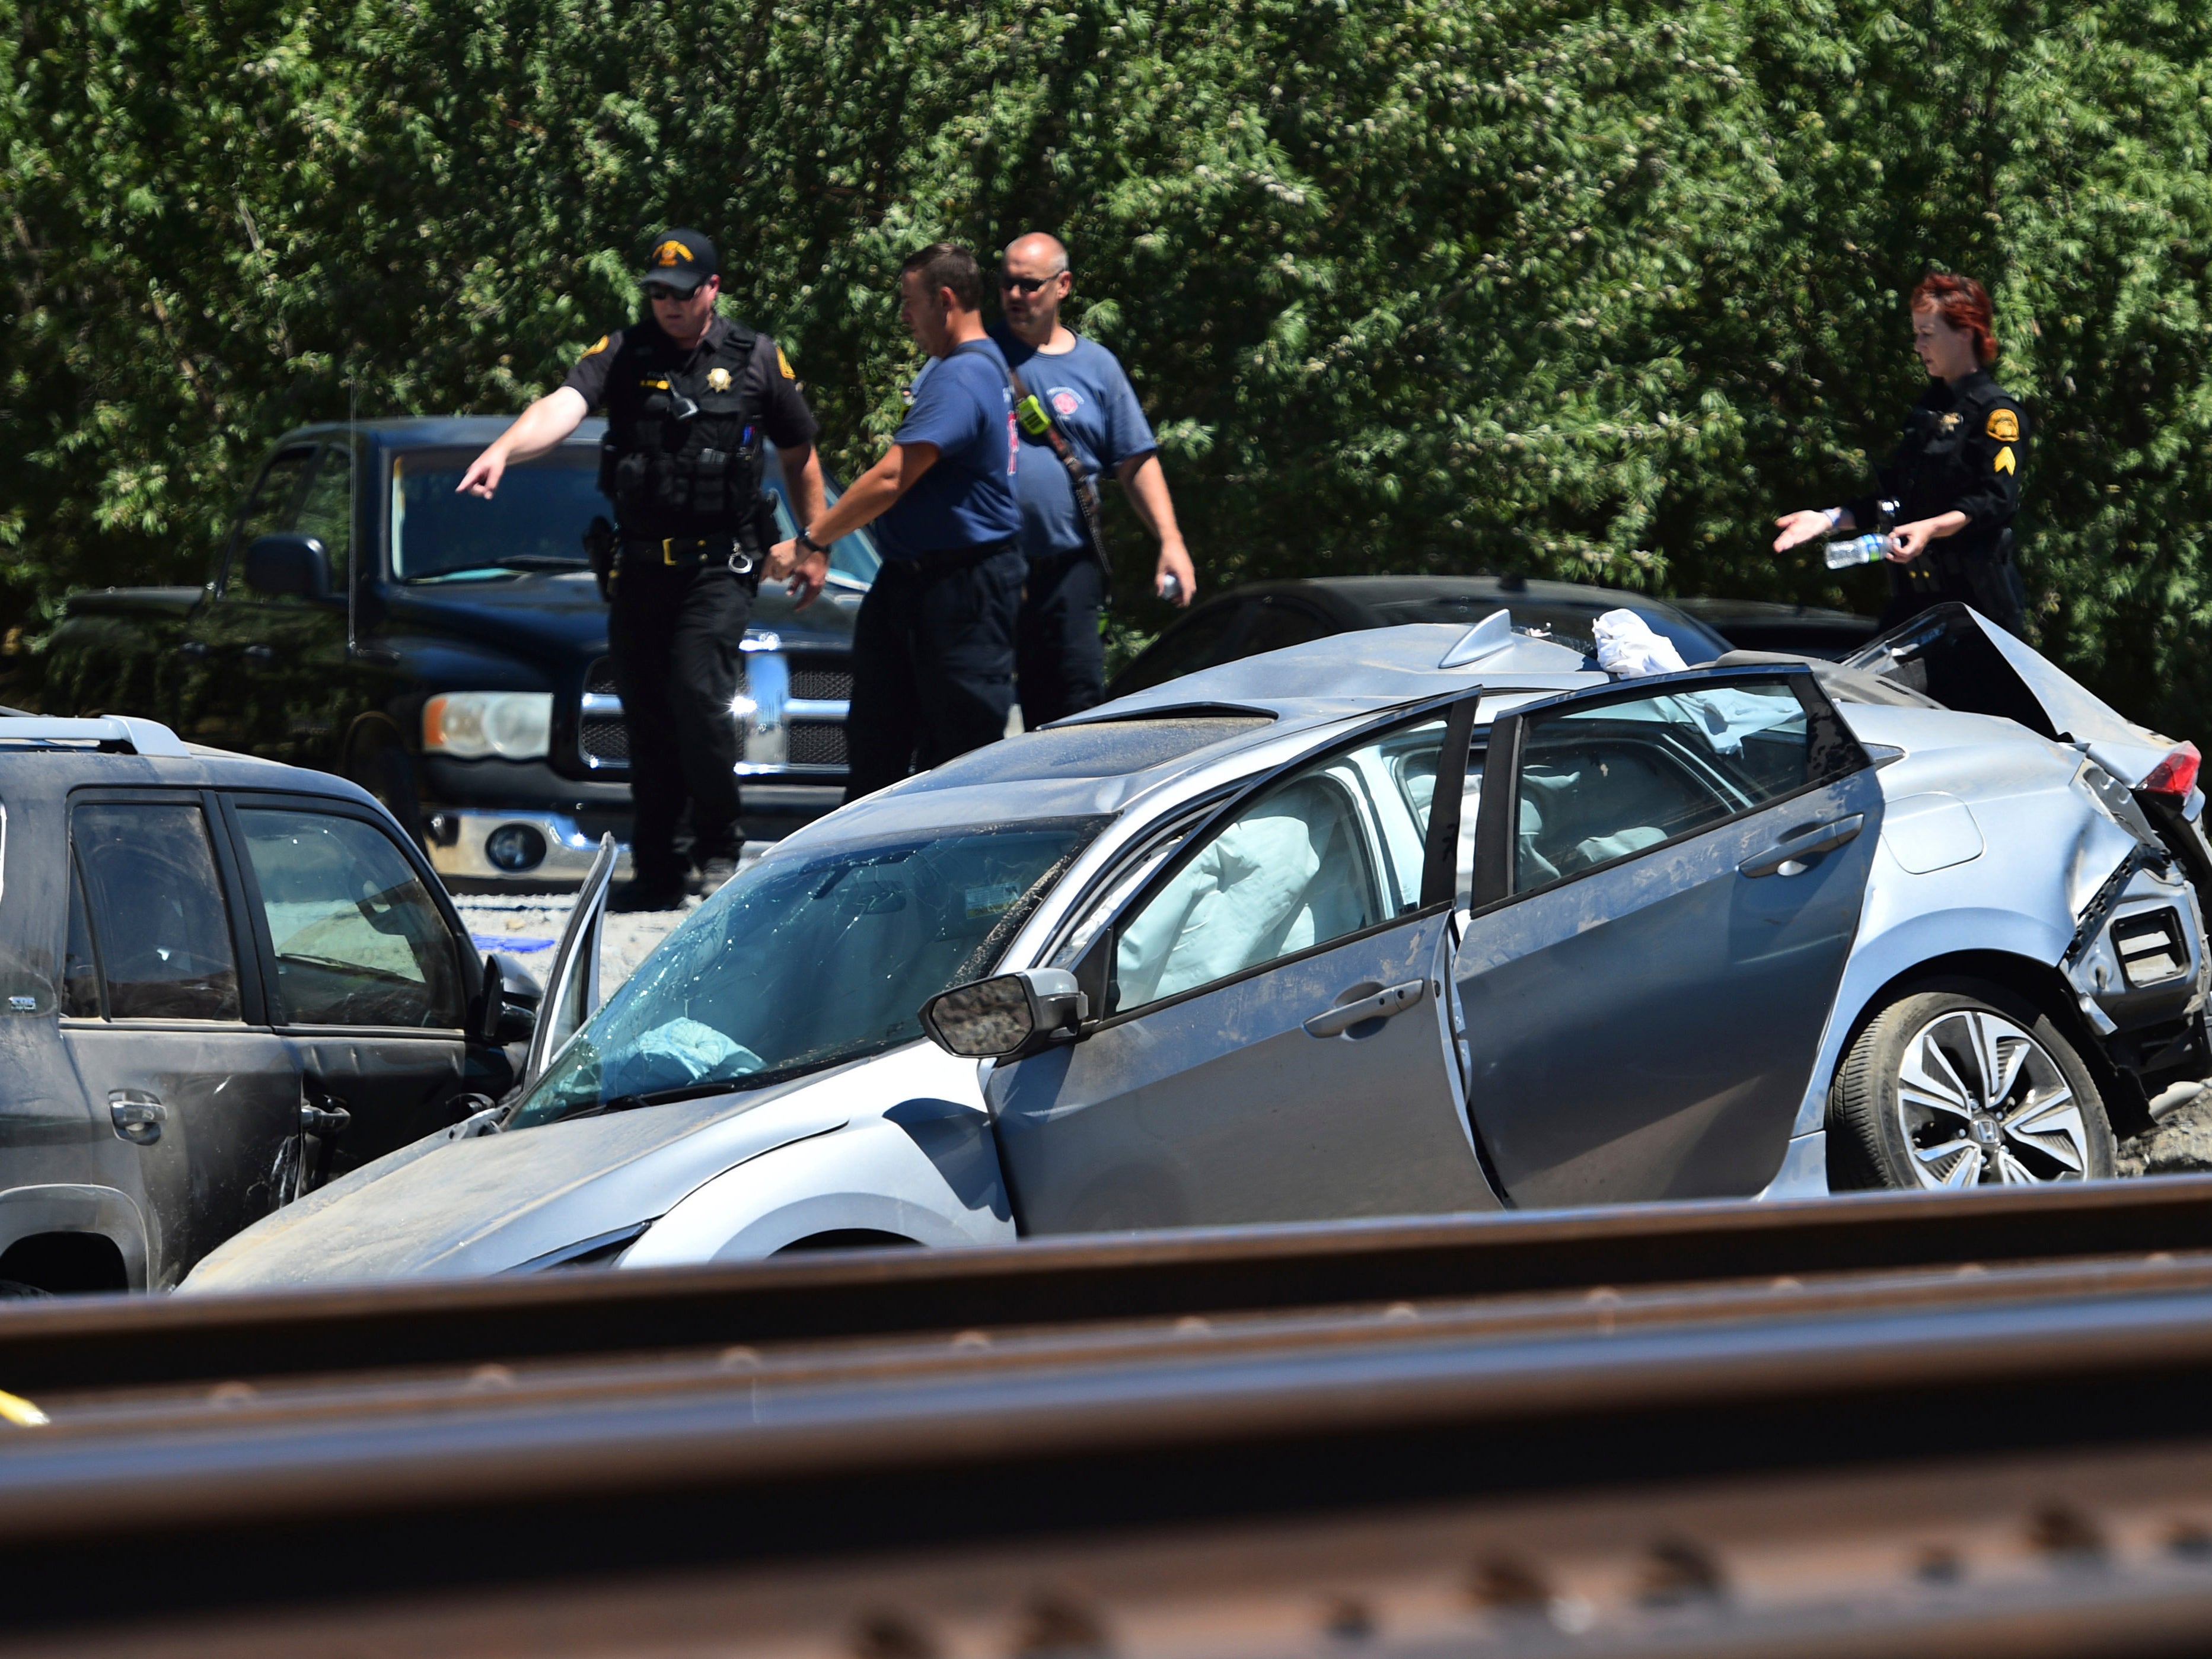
(1627, 646)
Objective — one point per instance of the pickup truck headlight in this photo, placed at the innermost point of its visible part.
(512, 725)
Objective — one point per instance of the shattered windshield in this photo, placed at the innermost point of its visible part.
(800, 964)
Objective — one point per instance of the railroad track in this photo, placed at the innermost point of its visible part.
(1861, 1424)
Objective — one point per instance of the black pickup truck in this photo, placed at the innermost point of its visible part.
(446, 653)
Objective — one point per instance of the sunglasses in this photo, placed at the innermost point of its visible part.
(1024, 285)
(662, 291)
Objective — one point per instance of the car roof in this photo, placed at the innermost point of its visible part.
(48, 756)
(1099, 761)
(439, 432)
(418, 432)
(1362, 670)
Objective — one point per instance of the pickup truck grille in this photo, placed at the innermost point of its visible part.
(817, 743)
(810, 741)
(604, 740)
(821, 681)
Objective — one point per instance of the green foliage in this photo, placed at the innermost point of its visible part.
(1558, 286)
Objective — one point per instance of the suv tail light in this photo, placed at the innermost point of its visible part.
(2175, 775)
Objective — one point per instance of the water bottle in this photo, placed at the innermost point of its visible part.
(1860, 550)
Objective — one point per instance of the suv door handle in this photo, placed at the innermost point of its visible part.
(260, 653)
(1384, 1005)
(1800, 844)
(137, 1115)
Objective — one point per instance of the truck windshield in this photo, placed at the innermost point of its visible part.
(536, 520)
(800, 964)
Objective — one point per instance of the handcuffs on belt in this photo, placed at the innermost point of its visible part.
(740, 562)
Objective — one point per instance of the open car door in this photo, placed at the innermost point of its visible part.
(572, 991)
(1668, 875)
(1273, 1042)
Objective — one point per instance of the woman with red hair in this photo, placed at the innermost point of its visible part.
(1946, 498)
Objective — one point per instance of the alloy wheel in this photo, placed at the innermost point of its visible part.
(1981, 1101)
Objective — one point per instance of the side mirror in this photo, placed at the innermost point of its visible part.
(507, 1011)
(287, 562)
(1007, 1016)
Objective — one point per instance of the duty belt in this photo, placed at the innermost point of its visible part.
(677, 552)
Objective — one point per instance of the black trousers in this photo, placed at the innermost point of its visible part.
(1989, 581)
(673, 636)
(1060, 662)
(933, 666)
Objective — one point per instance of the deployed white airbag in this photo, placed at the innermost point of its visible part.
(1627, 646)
(1274, 882)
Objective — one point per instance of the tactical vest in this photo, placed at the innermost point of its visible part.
(681, 454)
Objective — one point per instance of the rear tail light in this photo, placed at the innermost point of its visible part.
(2175, 775)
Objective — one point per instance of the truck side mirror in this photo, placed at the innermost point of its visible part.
(288, 562)
(1007, 1016)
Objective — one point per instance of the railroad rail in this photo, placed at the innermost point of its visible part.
(102, 1342)
(1859, 1426)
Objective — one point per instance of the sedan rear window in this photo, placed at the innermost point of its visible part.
(1602, 782)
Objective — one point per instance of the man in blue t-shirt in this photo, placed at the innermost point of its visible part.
(933, 645)
(1059, 665)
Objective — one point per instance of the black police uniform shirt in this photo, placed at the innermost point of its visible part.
(1965, 449)
(625, 365)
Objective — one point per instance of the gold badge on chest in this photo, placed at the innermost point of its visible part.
(717, 380)
(1949, 423)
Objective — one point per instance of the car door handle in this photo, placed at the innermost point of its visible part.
(1802, 844)
(1335, 1022)
(260, 653)
(193, 648)
(137, 1116)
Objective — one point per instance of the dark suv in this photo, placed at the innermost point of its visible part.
(220, 981)
(446, 653)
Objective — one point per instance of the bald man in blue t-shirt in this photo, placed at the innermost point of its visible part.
(933, 645)
(1059, 665)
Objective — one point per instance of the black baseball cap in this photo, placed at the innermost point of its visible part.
(681, 259)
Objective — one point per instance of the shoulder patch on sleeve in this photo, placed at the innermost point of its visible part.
(2005, 461)
(2004, 425)
(784, 363)
(605, 340)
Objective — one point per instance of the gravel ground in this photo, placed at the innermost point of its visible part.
(530, 928)
(2180, 1143)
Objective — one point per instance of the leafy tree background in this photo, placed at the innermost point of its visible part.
(1572, 288)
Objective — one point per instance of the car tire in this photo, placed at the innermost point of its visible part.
(1961, 1088)
(378, 762)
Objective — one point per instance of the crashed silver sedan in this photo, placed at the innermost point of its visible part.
(1396, 922)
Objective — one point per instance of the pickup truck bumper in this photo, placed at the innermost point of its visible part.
(521, 822)
(477, 844)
